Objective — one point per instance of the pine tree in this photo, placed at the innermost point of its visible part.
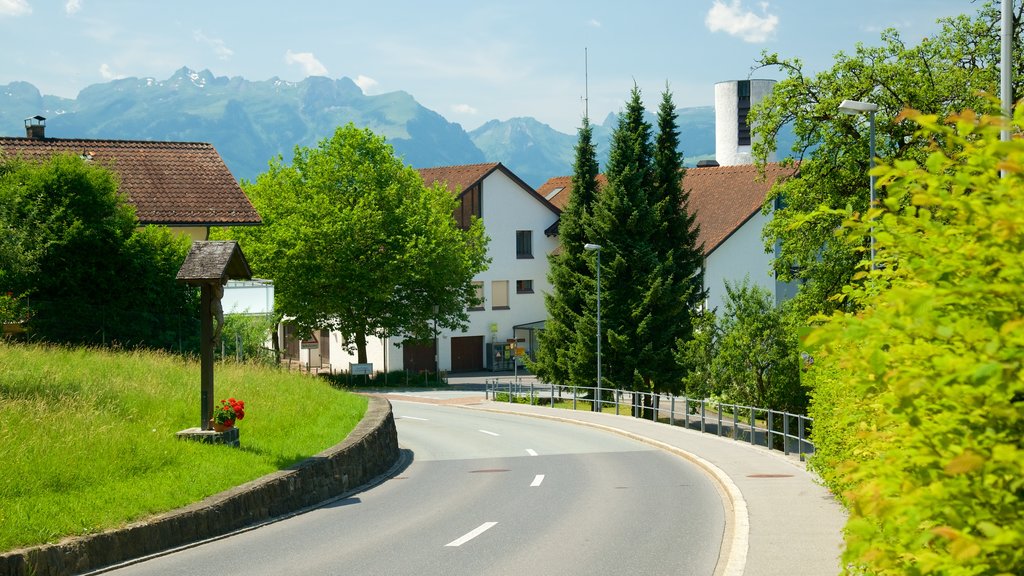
(676, 290)
(566, 354)
(624, 224)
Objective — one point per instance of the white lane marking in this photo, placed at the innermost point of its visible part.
(531, 451)
(476, 532)
(413, 418)
(537, 480)
(490, 433)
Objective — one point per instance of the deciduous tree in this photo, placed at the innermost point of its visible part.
(942, 74)
(356, 243)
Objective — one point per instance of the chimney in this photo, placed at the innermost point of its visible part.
(35, 127)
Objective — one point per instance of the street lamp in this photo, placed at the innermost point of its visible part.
(597, 248)
(854, 107)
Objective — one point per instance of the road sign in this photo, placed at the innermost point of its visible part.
(309, 344)
(360, 369)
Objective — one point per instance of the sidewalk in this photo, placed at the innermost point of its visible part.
(784, 523)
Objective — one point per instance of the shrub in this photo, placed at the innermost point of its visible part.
(921, 413)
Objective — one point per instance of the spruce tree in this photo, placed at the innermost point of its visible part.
(676, 290)
(566, 354)
(624, 224)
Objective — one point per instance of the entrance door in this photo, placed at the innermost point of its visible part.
(467, 353)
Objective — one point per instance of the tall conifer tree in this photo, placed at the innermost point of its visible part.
(624, 224)
(676, 289)
(566, 354)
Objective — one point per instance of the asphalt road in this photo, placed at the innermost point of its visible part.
(491, 494)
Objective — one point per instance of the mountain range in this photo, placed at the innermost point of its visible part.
(250, 122)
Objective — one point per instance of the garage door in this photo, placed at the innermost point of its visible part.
(418, 356)
(467, 353)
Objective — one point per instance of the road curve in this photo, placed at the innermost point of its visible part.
(492, 494)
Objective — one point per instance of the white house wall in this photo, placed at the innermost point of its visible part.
(741, 256)
(506, 208)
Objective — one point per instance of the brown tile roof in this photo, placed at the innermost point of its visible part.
(723, 198)
(170, 183)
(558, 189)
(459, 178)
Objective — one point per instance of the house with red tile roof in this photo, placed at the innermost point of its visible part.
(726, 202)
(183, 185)
(512, 288)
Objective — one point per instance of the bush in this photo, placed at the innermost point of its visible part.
(919, 412)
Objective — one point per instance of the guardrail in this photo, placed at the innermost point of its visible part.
(774, 429)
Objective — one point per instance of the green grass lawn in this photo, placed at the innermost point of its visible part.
(87, 437)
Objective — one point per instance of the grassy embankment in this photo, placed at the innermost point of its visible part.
(87, 438)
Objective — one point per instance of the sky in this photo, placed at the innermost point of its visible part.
(470, 61)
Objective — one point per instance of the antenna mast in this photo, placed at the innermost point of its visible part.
(586, 87)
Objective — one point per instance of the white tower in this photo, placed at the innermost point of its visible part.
(733, 100)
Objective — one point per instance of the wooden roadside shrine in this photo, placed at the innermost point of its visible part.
(209, 265)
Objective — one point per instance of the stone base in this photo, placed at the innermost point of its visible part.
(228, 437)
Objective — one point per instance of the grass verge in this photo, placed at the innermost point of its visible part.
(87, 437)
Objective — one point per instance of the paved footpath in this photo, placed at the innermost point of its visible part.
(785, 523)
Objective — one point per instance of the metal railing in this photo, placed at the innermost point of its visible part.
(774, 429)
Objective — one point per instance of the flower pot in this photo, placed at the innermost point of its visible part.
(218, 427)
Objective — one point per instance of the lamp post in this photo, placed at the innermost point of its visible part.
(437, 352)
(597, 248)
(854, 107)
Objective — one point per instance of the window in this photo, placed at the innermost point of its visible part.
(524, 243)
(479, 304)
(524, 286)
(742, 109)
(469, 207)
(499, 295)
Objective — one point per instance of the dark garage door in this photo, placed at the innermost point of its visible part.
(418, 356)
(467, 353)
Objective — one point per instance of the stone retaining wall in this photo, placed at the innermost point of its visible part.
(369, 451)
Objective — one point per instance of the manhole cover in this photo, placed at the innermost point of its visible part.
(769, 475)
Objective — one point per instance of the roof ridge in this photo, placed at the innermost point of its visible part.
(50, 140)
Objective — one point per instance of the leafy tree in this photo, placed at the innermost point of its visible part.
(245, 336)
(940, 75)
(79, 266)
(756, 359)
(697, 356)
(918, 396)
(357, 244)
(566, 354)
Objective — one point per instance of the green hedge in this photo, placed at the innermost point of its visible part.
(918, 399)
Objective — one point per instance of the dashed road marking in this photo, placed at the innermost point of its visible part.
(537, 480)
(473, 534)
(531, 451)
(489, 433)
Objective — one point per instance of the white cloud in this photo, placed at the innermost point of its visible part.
(219, 48)
(365, 83)
(73, 6)
(14, 8)
(310, 65)
(109, 74)
(735, 20)
(594, 23)
(464, 109)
